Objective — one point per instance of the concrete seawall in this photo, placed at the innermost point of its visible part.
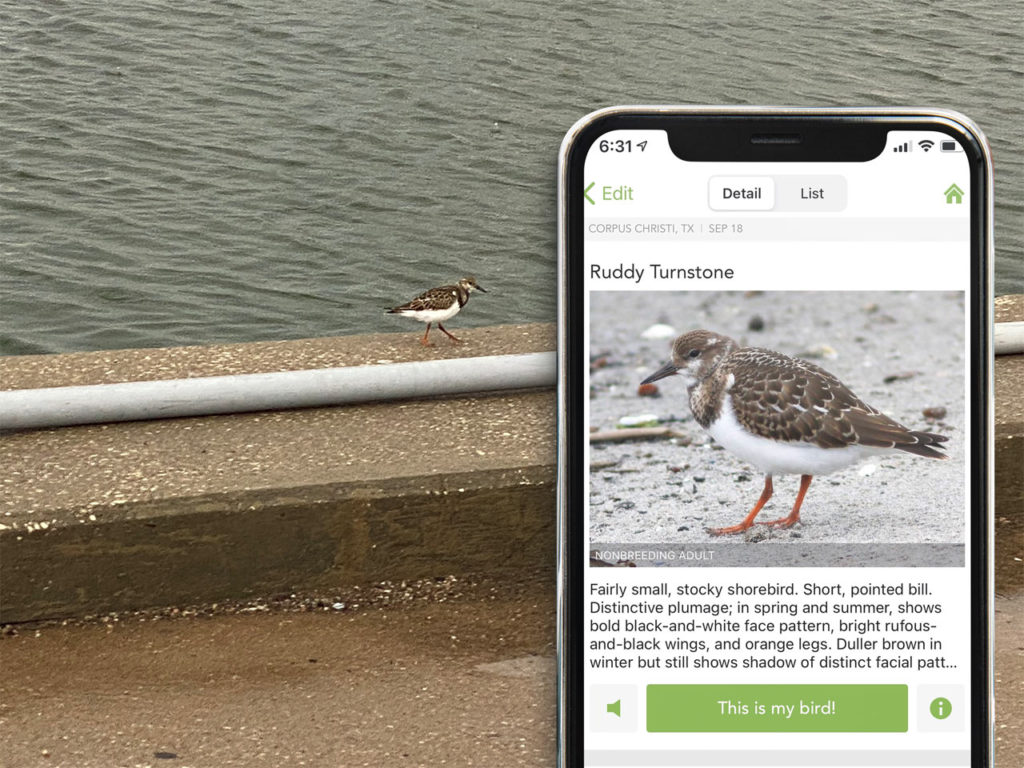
(123, 516)
(1009, 463)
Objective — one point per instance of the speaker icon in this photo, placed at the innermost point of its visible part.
(616, 708)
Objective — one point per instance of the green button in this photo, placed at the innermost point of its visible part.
(781, 708)
(940, 708)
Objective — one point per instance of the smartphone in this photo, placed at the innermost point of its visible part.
(775, 438)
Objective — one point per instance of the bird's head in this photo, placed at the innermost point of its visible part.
(469, 285)
(694, 356)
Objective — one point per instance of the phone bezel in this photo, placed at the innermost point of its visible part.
(571, 481)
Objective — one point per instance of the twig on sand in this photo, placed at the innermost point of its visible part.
(638, 433)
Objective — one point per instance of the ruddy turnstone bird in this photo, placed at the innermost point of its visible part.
(783, 415)
(438, 305)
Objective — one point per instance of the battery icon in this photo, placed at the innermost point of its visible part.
(949, 146)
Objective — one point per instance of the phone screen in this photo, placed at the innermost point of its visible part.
(776, 510)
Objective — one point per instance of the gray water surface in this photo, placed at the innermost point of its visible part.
(184, 174)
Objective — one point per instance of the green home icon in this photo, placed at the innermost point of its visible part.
(954, 195)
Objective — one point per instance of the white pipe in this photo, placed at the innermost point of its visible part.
(1008, 339)
(140, 400)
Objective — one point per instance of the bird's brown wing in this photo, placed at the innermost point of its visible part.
(435, 298)
(796, 401)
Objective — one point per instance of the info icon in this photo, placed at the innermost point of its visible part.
(612, 708)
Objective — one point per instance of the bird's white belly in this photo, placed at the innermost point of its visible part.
(433, 315)
(775, 458)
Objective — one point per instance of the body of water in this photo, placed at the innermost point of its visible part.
(214, 172)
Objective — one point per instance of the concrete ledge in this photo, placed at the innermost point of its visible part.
(1009, 456)
(133, 515)
(252, 543)
(117, 365)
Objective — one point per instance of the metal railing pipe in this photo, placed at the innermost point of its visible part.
(1008, 338)
(238, 393)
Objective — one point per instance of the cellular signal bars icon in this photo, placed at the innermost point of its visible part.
(906, 146)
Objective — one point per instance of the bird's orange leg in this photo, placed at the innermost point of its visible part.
(424, 341)
(794, 516)
(749, 519)
(457, 341)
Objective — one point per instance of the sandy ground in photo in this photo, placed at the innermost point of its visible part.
(664, 491)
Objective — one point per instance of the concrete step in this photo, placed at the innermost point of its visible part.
(123, 516)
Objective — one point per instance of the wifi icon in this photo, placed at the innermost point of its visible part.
(926, 144)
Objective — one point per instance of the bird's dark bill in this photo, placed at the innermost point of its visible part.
(666, 370)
